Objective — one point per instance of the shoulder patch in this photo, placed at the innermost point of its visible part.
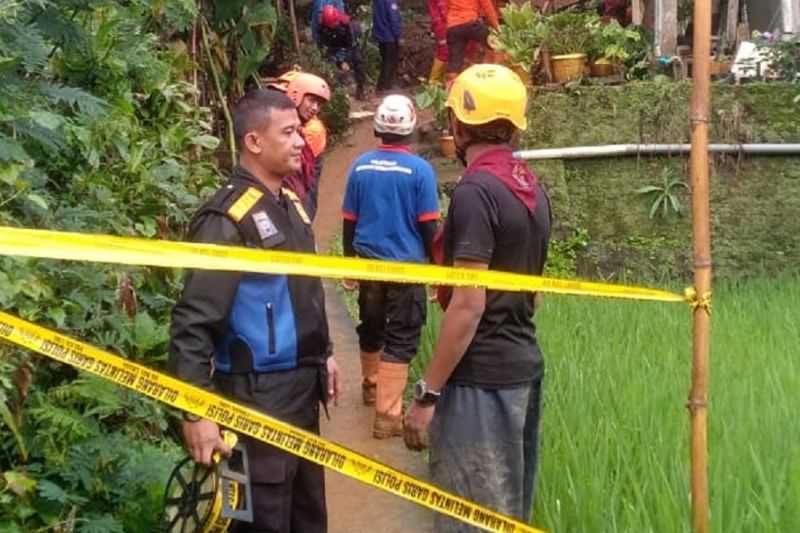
(298, 205)
(244, 204)
(264, 225)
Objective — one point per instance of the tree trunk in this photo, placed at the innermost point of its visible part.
(295, 32)
(731, 23)
(638, 12)
(667, 27)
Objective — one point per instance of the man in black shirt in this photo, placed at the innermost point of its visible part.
(481, 392)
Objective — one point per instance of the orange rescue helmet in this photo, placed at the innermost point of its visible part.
(303, 83)
(282, 82)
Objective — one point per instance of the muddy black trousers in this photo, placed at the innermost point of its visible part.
(459, 37)
(392, 316)
(484, 447)
(288, 492)
(390, 58)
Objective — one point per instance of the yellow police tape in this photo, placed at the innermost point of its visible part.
(247, 421)
(145, 252)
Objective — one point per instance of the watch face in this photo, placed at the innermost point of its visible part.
(420, 389)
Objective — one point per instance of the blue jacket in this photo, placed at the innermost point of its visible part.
(390, 194)
(251, 323)
(386, 26)
(316, 15)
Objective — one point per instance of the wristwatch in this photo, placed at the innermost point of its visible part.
(190, 417)
(423, 395)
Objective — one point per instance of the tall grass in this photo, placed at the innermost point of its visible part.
(614, 454)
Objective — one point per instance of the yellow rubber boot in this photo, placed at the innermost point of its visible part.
(392, 379)
(369, 376)
(437, 71)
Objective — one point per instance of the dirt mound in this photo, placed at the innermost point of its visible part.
(416, 54)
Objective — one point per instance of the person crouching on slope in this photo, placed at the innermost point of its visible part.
(390, 212)
(338, 36)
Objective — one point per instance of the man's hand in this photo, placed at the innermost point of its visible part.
(334, 380)
(415, 426)
(349, 285)
(202, 439)
(345, 66)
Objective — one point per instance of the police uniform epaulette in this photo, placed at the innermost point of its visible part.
(233, 200)
(226, 202)
(243, 203)
(298, 205)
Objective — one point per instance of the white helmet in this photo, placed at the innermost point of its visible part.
(395, 114)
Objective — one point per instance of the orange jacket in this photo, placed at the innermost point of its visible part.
(315, 135)
(464, 11)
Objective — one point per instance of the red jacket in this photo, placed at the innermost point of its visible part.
(438, 12)
(303, 181)
(464, 11)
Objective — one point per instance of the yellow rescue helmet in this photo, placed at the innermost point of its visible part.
(487, 92)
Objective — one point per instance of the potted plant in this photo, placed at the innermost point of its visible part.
(611, 47)
(519, 38)
(568, 38)
(434, 96)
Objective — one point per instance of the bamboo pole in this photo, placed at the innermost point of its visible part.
(295, 31)
(196, 96)
(204, 30)
(701, 232)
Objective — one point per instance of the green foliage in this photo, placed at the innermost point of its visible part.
(521, 35)
(97, 453)
(370, 54)
(641, 55)
(336, 113)
(563, 253)
(245, 31)
(783, 58)
(613, 42)
(625, 366)
(753, 199)
(427, 343)
(664, 196)
(99, 134)
(434, 96)
(569, 31)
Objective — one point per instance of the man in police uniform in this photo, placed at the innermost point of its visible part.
(259, 339)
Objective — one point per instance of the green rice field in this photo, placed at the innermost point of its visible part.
(615, 434)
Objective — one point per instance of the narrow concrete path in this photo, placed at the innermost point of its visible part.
(354, 507)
